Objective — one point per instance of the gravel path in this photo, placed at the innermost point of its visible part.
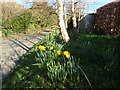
(14, 48)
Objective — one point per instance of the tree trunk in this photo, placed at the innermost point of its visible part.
(61, 21)
(74, 20)
(65, 17)
(66, 23)
(74, 15)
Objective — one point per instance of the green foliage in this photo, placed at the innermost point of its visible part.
(59, 68)
(31, 27)
(98, 57)
(95, 54)
(18, 25)
(21, 22)
(56, 72)
(7, 32)
(30, 19)
(51, 20)
(42, 14)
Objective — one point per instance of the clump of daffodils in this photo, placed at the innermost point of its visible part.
(67, 54)
(43, 48)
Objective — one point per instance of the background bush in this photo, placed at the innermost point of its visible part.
(29, 19)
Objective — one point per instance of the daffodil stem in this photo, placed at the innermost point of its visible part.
(85, 76)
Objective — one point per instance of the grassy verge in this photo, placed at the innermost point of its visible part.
(51, 63)
(99, 58)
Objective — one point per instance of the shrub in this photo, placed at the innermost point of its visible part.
(31, 27)
(20, 23)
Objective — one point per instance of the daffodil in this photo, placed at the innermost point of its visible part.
(58, 52)
(67, 56)
(51, 48)
(66, 53)
(42, 48)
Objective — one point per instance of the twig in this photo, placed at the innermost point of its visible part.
(85, 76)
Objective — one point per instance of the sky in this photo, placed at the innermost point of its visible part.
(97, 5)
(91, 9)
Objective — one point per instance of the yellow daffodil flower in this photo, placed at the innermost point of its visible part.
(67, 56)
(58, 52)
(66, 53)
(51, 48)
(42, 48)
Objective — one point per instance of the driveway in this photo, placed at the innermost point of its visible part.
(13, 49)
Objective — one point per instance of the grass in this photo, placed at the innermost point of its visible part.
(99, 58)
(96, 55)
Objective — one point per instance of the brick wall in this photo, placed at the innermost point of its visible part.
(108, 19)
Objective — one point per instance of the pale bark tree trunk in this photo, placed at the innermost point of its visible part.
(61, 21)
(74, 15)
(74, 20)
(65, 17)
(66, 24)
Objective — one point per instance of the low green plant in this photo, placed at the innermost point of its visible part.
(7, 32)
(18, 24)
(31, 27)
(87, 63)
(58, 63)
(57, 72)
